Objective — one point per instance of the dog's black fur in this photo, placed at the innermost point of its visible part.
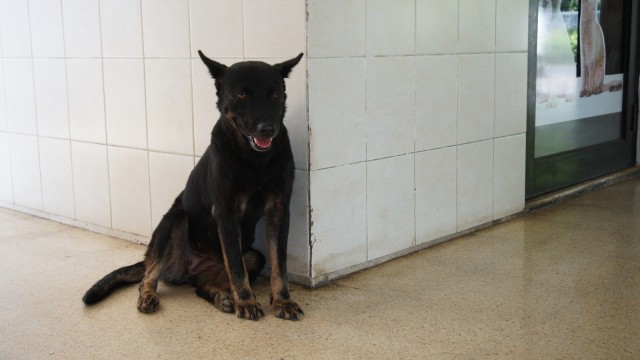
(247, 172)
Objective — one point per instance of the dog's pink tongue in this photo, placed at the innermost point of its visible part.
(263, 143)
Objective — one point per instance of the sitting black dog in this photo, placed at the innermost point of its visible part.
(247, 172)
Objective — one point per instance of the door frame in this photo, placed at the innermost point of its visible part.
(591, 161)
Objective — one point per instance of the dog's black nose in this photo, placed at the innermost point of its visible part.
(266, 131)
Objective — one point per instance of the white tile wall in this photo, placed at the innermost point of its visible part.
(436, 101)
(169, 105)
(121, 22)
(91, 183)
(390, 28)
(511, 94)
(435, 194)
(436, 26)
(337, 111)
(339, 230)
(6, 185)
(336, 28)
(475, 184)
(52, 109)
(25, 170)
(390, 96)
(217, 27)
(4, 121)
(20, 96)
(509, 179)
(476, 81)
(512, 25)
(86, 100)
(266, 38)
(168, 174)
(47, 38)
(390, 205)
(476, 26)
(14, 26)
(57, 177)
(125, 104)
(165, 25)
(413, 128)
(205, 112)
(129, 190)
(299, 256)
(82, 28)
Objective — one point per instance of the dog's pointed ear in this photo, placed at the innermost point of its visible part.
(285, 67)
(215, 68)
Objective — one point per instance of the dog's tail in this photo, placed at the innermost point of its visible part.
(124, 276)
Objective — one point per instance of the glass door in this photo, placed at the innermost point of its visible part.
(583, 91)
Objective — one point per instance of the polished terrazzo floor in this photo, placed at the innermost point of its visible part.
(561, 283)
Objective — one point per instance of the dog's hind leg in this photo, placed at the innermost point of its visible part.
(212, 281)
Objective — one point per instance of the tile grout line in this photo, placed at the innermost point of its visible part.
(106, 127)
(146, 115)
(66, 69)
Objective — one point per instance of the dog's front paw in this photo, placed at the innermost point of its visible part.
(286, 309)
(148, 302)
(249, 310)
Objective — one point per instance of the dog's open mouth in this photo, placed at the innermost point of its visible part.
(260, 144)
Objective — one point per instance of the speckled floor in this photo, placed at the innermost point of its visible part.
(562, 283)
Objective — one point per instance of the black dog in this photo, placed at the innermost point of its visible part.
(247, 172)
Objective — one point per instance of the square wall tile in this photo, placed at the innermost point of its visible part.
(124, 98)
(336, 28)
(436, 27)
(296, 119)
(165, 28)
(339, 221)
(15, 29)
(121, 28)
(205, 111)
(475, 184)
(6, 185)
(57, 177)
(477, 26)
(51, 97)
(86, 100)
(435, 194)
(336, 111)
(25, 170)
(436, 101)
(169, 174)
(390, 106)
(169, 105)
(509, 175)
(129, 189)
(512, 25)
(390, 205)
(4, 121)
(266, 38)
(511, 94)
(47, 39)
(91, 183)
(390, 27)
(475, 97)
(298, 244)
(209, 19)
(20, 95)
(82, 28)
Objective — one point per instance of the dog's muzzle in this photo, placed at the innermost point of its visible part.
(260, 144)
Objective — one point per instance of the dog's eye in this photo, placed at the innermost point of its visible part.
(275, 95)
(241, 95)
